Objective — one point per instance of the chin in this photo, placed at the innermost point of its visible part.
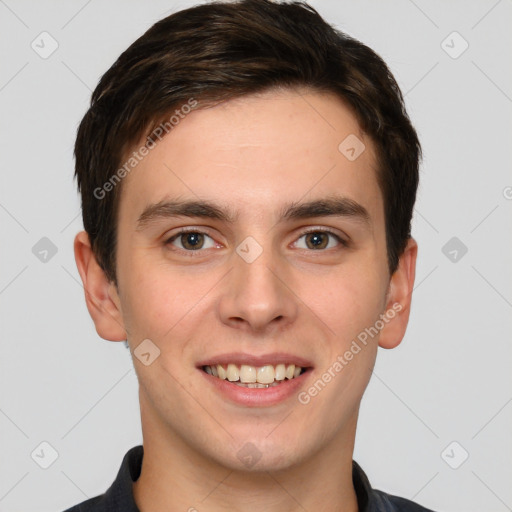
(261, 454)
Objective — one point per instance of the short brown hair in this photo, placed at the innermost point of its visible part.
(218, 51)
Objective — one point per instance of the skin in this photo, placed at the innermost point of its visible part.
(252, 154)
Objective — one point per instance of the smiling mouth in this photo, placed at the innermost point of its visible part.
(255, 377)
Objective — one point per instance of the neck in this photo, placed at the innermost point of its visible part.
(174, 476)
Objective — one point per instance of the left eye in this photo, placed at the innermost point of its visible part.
(319, 240)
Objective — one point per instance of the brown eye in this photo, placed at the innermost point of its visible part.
(319, 239)
(191, 241)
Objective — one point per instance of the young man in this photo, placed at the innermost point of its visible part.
(248, 176)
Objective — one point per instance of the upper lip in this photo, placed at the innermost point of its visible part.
(240, 358)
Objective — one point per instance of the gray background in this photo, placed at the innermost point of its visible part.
(448, 381)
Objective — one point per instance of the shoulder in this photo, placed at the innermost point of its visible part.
(119, 496)
(96, 504)
(114, 500)
(384, 502)
(374, 500)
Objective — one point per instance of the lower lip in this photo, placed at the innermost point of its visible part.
(257, 397)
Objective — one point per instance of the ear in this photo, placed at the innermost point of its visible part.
(398, 301)
(100, 294)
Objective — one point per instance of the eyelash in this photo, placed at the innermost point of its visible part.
(183, 231)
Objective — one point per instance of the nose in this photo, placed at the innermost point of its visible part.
(259, 295)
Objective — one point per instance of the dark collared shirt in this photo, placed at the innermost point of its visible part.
(119, 497)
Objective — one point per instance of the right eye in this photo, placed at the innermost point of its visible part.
(190, 240)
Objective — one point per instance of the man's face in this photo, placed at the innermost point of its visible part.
(258, 285)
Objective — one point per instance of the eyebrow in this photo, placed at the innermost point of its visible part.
(333, 206)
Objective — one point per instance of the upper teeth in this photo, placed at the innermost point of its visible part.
(247, 374)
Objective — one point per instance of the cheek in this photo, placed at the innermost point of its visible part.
(351, 305)
(164, 304)
(348, 301)
(150, 301)
(153, 309)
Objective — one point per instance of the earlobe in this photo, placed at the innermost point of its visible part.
(102, 301)
(398, 305)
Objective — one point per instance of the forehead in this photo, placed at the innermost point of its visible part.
(253, 152)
